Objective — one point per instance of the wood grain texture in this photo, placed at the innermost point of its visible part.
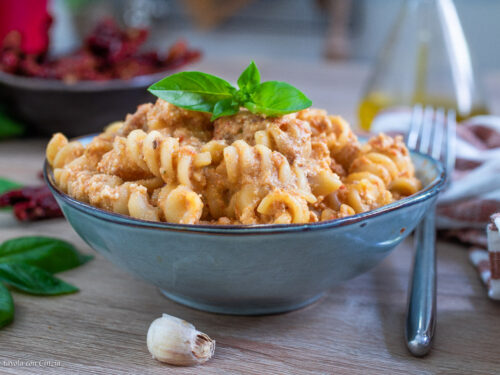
(357, 328)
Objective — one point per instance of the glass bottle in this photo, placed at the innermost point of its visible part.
(425, 60)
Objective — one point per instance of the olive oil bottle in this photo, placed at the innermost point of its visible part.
(425, 60)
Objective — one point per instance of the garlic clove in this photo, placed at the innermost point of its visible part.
(175, 341)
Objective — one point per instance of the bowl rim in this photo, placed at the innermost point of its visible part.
(47, 84)
(433, 188)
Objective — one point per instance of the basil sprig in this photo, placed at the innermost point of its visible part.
(28, 264)
(204, 92)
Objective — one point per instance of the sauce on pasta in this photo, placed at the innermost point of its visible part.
(164, 163)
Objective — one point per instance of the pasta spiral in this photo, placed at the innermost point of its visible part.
(284, 207)
(165, 158)
(180, 205)
(61, 152)
(169, 164)
(382, 169)
(257, 169)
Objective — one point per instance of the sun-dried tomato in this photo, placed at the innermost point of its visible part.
(108, 52)
(31, 203)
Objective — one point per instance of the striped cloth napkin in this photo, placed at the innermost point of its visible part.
(488, 262)
(469, 210)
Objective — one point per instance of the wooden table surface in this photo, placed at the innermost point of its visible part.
(356, 329)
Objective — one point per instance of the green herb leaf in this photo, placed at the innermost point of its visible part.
(202, 92)
(226, 107)
(275, 98)
(195, 91)
(49, 254)
(7, 185)
(250, 78)
(33, 280)
(8, 127)
(6, 306)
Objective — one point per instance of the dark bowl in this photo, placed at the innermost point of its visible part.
(51, 106)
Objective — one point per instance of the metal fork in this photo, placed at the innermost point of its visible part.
(432, 132)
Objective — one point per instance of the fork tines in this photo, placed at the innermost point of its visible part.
(432, 132)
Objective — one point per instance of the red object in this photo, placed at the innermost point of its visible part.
(109, 52)
(31, 203)
(31, 19)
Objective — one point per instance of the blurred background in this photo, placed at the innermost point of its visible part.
(352, 57)
(299, 29)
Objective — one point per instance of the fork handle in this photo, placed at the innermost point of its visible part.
(421, 314)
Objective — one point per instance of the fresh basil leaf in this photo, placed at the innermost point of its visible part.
(8, 127)
(226, 107)
(275, 98)
(203, 92)
(195, 91)
(6, 306)
(33, 280)
(7, 185)
(50, 254)
(250, 78)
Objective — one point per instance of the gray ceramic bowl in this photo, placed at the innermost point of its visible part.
(251, 269)
(51, 106)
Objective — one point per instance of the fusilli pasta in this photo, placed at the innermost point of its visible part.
(165, 163)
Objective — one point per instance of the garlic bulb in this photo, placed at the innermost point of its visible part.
(175, 341)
